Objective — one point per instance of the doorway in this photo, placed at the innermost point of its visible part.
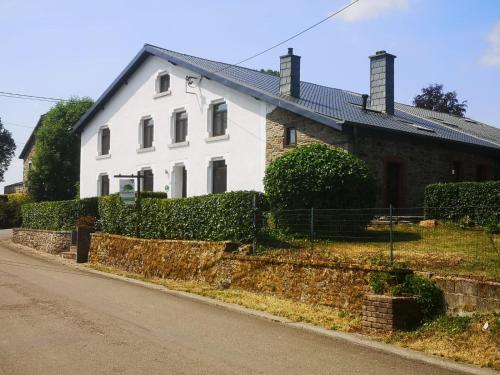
(393, 183)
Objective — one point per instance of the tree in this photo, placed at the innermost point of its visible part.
(55, 170)
(434, 98)
(7, 149)
(270, 72)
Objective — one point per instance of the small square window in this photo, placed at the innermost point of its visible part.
(290, 137)
(181, 126)
(163, 83)
(219, 119)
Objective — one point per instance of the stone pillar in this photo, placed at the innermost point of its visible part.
(290, 74)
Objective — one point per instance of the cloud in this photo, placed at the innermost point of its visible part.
(492, 54)
(368, 9)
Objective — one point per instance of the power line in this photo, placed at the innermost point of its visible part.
(31, 97)
(290, 38)
(14, 124)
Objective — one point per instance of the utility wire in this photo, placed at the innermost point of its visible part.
(31, 97)
(14, 124)
(290, 38)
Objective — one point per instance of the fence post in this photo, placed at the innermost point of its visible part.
(312, 228)
(391, 239)
(254, 243)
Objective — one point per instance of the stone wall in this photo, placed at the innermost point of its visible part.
(423, 161)
(308, 131)
(309, 281)
(466, 296)
(44, 240)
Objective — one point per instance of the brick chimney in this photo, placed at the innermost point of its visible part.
(290, 74)
(382, 82)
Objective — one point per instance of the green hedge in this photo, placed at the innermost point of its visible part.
(57, 215)
(477, 202)
(215, 217)
(10, 209)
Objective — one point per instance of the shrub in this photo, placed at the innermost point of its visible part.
(464, 202)
(322, 177)
(214, 217)
(429, 297)
(10, 209)
(57, 215)
(153, 194)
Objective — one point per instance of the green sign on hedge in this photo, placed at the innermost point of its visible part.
(127, 191)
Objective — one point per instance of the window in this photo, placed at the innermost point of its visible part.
(456, 171)
(181, 126)
(290, 137)
(30, 165)
(219, 119)
(147, 180)
(147, 133)
(163, 83)
(103, 185)
(105, 140)
(219, 176)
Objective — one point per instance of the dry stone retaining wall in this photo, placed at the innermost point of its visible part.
(52, 242)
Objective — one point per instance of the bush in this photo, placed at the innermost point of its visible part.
(464, 202)
(10, 209)
(322, 177)
(57, 215)
(153, 194)
(214, 217)
(429, 297)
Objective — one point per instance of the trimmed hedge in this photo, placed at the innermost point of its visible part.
(57, 215)
(214, 217)
(10, 209)
(478, 202)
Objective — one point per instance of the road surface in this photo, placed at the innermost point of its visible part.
(55, 319)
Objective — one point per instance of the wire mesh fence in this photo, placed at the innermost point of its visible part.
(461, 243)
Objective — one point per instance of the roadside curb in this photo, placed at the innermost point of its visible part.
(352, 338)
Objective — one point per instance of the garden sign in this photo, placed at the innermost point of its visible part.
(127, 191)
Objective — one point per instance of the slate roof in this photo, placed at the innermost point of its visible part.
(31, 140)
(330, 106)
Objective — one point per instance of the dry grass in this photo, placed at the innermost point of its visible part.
(455, 338)
(446, 248)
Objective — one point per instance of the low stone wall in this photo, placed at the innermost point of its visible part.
(49, 241)
(465, 296)
(310, 281)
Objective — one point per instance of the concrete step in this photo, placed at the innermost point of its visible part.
(69, 255)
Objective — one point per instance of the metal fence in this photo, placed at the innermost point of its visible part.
(385, 236)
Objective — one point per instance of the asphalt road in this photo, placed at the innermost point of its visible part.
(55, 319)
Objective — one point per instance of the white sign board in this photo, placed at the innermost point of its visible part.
(127, 190)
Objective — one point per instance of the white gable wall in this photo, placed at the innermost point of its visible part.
(244, 151)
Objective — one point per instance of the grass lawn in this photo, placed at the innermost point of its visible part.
(458, 338)
(446, 248)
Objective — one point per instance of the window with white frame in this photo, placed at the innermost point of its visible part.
(104, 141)
(218, 176)
(219, 119)
(103, 188)
(147, 132)
(147, 181)
(180, 126)
(163, 83)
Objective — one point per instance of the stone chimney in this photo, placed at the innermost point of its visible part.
(382, 82)
(290, 74)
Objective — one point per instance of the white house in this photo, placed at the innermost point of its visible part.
(196, 126)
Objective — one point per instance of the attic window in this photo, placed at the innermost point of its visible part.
(406, 122)
(163, 83)
(470, 120)
(423, 129)
(444, 122)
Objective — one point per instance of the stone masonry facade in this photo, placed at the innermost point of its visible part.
(422, 161)
(26, 166)
(52, 242)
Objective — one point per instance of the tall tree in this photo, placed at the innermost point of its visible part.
(7, 149)
(270, 72)
(434, 98)
(55, 170)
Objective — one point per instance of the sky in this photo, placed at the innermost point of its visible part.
(77, 48)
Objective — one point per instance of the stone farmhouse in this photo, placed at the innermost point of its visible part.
(27, 153)
(195, 126)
